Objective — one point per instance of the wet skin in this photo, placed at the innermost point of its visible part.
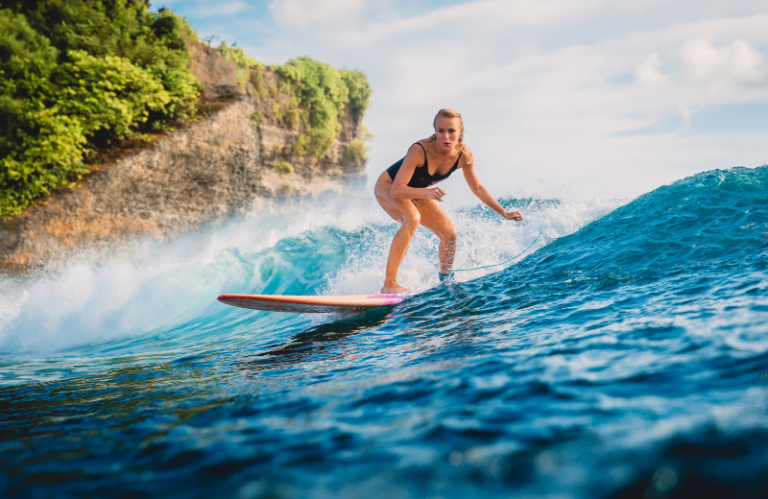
(420, 206)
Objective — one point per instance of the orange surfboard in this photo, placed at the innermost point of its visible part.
(313, 304)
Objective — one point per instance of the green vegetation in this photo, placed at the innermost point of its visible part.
(291, 116)
(283, 167)
(257, 80)
(79, 77)
(365, 133)
(276, 111)
(325, 92)
(76, 77)
(242, 60)
(236, 54)
(356, 152)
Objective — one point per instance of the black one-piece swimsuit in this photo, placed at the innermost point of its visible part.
(421, 177)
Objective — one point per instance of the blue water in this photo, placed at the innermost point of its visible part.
(626, 355)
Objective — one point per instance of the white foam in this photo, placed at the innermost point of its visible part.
(149, 287)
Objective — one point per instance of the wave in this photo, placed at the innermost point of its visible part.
(155, 297)
(624, 356)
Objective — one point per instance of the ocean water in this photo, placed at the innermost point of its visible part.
(624, 355)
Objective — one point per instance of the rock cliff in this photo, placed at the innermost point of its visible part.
(197, 174)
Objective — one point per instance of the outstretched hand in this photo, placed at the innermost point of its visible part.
(513, 215)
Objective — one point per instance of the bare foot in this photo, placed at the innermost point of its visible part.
(392, 288)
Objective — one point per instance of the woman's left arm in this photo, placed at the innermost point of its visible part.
(481, 192)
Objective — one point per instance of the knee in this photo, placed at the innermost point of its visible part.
(449, 237)
(412, 221)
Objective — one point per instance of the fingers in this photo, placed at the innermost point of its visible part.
(438, 193)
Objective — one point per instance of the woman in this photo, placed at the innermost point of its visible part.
(404, 191)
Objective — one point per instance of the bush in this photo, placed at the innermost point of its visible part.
(315, 141)
(108, 95)
(291, 116)
(256, 116)
(240, 58)
(257, 80)
(78, 76)
(283, 167)
(243, 62)
(356, 152)
(276, 111)
(325, 92)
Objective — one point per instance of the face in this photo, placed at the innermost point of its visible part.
(447, 131)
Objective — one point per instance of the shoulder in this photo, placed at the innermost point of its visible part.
(416, 153)
(467, 159)
(423, 143)
(418, 148)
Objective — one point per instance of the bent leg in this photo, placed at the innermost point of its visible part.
(434, 218)
(404, 211)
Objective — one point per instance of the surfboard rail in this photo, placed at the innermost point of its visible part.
(312, 304)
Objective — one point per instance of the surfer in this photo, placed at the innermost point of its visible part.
(404, 191)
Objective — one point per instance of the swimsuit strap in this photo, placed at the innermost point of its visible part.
(456, 165)
(425, 154)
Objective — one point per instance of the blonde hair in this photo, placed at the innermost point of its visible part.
(449, 113)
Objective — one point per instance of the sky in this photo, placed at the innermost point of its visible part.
(560, 98)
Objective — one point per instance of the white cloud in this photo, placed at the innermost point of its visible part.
(480, 18)
(737, 63)
(547, 88)
(556, 113)
(650, 70)
(301, 14)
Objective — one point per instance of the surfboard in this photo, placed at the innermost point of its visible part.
(313, 304)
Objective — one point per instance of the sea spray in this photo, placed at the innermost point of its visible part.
(626, 356)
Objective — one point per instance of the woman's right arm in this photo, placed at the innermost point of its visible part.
(400, 190)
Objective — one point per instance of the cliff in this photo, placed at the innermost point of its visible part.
(197, 174)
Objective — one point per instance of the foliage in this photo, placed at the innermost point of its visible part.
(325, 92)
(256, 116)
(283, 167)
(356, 152)
(291, 116)
(365, 133)
(108, 95)
(240, 58)
(78, 76)
(257, 80)
(276, 111)
(314, 141)
(359, 89)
